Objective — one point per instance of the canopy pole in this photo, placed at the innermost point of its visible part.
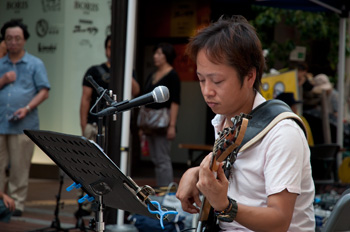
(130, 42)
(341, 75)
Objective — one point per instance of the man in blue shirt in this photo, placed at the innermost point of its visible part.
(23, 86)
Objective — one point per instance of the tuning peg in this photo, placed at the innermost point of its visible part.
(233, 129)
(234, 120)
(222, 149)
(247, 116)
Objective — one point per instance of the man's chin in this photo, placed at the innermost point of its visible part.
(215, 111)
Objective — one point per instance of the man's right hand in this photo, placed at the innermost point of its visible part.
(187, 191)
(9, 77)
(9, 202)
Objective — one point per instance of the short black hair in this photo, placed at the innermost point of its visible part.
(108, 38)
(168, 50)
(231, 41)
(15, 23)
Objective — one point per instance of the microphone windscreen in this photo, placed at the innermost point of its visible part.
(161, 94)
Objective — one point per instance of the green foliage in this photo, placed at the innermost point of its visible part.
(309, 26)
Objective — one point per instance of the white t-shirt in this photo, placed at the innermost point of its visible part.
(280, 160)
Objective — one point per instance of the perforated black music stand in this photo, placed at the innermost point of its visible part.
(85, 163)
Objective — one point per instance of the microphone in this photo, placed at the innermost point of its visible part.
(159, 94)
(98, 88)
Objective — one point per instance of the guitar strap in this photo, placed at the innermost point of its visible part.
(264, 118)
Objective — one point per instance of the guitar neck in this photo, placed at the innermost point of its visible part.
(216, 162)
(220, 152)
(205, 209)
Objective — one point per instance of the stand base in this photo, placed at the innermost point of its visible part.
(54, 227)
(120, 228)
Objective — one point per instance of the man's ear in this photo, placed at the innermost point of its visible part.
(251, 77)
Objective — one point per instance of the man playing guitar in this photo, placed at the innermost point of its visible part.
(270, 187)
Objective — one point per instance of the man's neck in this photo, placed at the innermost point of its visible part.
(247, 107)
(15, 57)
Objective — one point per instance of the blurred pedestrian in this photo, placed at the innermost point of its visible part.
(322, 83)
(159, 139)
(24, 86)
(305, 85)
(100, 74)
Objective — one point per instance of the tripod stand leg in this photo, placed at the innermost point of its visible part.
(55, 224)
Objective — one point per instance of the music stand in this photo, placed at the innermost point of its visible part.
(86, 164)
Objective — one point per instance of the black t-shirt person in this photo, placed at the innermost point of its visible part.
(101, 74)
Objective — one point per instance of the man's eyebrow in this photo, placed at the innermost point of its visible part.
(208, 75)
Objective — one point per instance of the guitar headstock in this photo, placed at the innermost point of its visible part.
(231, 137)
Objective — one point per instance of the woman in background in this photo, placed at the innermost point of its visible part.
(159, 140)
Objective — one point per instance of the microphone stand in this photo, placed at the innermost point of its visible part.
(100, 136)
(100, 141)
(159, 94)
(99, 207)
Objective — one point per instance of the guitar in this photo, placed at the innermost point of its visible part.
(229, 139)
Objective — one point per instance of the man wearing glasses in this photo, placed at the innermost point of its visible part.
(23, 87)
